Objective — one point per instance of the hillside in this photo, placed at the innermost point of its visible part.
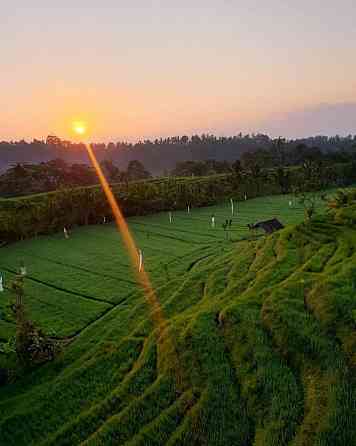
(257, 344)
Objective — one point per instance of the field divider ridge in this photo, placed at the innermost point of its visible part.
(74, 293)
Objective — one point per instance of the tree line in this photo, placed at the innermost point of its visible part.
(162, 154)
(26, 179)
(23, 179)
(30, 216)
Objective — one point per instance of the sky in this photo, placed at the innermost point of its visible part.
(136, 69)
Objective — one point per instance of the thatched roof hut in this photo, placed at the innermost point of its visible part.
(268, 226)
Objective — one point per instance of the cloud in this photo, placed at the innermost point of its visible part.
(323, 119)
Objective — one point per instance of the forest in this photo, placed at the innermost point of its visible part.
(161, 155)
(258, 153)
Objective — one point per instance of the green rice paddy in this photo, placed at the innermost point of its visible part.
(263, 329)
(72, 282)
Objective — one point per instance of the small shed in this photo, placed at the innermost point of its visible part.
(268, 226)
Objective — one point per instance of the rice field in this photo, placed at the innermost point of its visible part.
(257, 346)
(72, 282)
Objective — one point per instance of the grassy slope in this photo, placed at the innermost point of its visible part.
(71, 283)
(263, 331)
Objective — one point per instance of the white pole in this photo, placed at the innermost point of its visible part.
(232, 206)
(245, 196)
(213, 221)
(1, 285)
(170, 217)
(23, 270)
(140, 260)
(188, 209)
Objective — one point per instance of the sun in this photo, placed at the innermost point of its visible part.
(79, 127)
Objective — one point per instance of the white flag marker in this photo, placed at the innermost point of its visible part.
(170, 217)
(213, 221)
(188, 209)
(1, 285)
(65, 232)
(23, 270)
(232, 206)
(245, 196)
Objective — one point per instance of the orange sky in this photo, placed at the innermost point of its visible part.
(149, 68)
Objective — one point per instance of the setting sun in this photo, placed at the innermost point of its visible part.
(79, 127)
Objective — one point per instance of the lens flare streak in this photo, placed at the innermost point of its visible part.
(141, 275)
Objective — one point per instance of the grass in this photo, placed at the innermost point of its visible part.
(264, 330)
(72, 282)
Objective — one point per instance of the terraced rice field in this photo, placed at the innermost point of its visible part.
(73, 282)
(257, 346)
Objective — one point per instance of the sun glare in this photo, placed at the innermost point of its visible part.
(79, 127)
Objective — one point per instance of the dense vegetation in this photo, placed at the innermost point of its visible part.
(163, 154)
(27, 179)
(264, 330)
(24, 217)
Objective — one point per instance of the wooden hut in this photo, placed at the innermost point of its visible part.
(268, 226)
